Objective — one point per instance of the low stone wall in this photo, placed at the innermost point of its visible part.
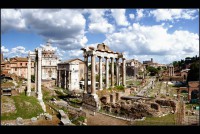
(49, 83)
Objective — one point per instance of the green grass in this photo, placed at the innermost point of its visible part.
(26, 107)
(156, 121)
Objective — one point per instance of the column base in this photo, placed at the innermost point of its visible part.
(28, 93)
(42, 105)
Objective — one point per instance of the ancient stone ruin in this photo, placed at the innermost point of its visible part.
(90, 98)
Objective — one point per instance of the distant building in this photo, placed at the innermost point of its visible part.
(70, 73)
(18, 66)
(49, 62)
(134, 68)
(153, 64)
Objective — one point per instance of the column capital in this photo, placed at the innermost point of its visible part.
(99, 57)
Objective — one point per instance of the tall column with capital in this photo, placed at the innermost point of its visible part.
(39, 74)
(29, 76)
(93, 75)
(36, 75)
(86, 74)
(100, 73)
(124, 72)
(39, 93)
(112, 72)
(107, 73)
(117, 71)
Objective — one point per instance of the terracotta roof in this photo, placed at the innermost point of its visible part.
(20, 59)
(193, 83)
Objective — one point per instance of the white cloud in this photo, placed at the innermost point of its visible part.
(12, 19)
(173, 14)
(4, 49)
(99, 24)
(140, 14)
(65, 27)
(16, 51)
(120, 17)
(131, 16)
(19, 50)
(153, 40)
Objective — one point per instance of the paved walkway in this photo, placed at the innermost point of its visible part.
(100, 119)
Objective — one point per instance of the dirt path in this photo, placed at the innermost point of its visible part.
(100, 119)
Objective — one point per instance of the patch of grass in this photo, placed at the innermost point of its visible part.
(120, 88)
(26, 107)
(80, 118)
(156, 121)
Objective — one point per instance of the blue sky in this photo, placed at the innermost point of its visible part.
(162, 34)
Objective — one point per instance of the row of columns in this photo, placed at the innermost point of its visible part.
(93, 75)
(171, 71)
(65, 79)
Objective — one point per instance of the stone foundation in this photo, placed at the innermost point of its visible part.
(91, 102)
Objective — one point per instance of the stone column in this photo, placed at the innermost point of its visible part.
(107, 73)
(36, 75)
(124, 72)
(29, 77)
(173, 72)
(39, 75)
(93, 75)
(112, 72)
(100, 73)
(117, 71)
(57, 78)
(65, 78)
(70, 81)
(189, 94)
(59, 83)
(86, 74)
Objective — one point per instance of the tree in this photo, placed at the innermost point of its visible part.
(32, 77)
(90, 67)
(153, 71)
(193, 74)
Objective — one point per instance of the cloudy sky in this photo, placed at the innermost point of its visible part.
(162, 34)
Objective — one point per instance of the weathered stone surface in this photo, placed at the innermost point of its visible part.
(103, 100)
(19, 121)
(48, 117)
(90, 102)
(33, 119)
(155, 106)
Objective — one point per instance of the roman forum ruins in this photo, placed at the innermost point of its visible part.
(90, 98)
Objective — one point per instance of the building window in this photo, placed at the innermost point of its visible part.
(15, 69)
(26, 64)
(20, 64)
